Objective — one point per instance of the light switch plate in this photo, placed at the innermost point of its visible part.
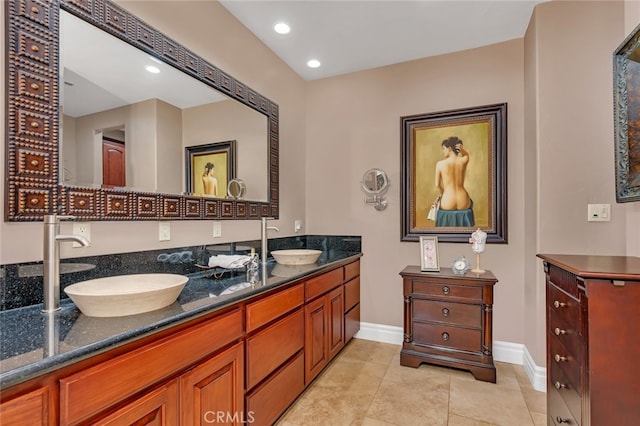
(297, 225)
(164, 231)
(217, 229)
(599, 212)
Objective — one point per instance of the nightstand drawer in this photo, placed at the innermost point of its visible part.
(439, 335)
(446, 312)
(448, 291)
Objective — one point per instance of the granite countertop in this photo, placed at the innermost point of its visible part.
(52, 341)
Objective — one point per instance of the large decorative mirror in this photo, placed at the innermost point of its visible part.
(108, 143)
(626, 106)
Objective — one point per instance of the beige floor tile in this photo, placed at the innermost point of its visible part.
(489, 403)
(366, 386)
(403, 405)
(455, 420)
(370, 351)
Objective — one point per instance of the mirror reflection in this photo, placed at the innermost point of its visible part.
(125, 126)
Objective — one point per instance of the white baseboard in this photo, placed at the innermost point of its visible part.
(512, 353)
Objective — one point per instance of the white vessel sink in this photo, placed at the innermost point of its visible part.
(296, 256)
(122, 295)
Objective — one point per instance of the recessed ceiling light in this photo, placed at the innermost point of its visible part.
(313, 63)
(152, 69)
(281, 28)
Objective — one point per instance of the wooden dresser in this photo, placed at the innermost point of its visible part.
(593, 345)
(448, 320)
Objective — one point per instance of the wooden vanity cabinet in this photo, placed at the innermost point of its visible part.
(275, 354)
(351, 292)
(448, 320)
(592, 339)
(324, 321)
(244, 365)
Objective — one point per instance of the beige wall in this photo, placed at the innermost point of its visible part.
(557, 83)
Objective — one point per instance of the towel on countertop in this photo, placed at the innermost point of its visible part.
(228, 261)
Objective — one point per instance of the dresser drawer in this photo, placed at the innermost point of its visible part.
(444, 291)
(452, 337)
(569, 394)
(446, 312)
(557, 411)
(568, 362)
(563, 306)
(566, 334)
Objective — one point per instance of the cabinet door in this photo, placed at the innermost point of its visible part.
(157, 408)
(213, 391)
(28, 409)
(315, 339)
(335, 320)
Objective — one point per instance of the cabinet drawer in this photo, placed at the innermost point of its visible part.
(566, 334)
(569, 394)
(266, 310)
(563, 306)
(271, 399)
(444, 291)
(31, 408)
(567, 361)
(351, 293)
(449, 313)
(451, 337)
(269, 348)
(557, 411)
(351, 270)
(351, 323)
(86, 393)
(322, 284)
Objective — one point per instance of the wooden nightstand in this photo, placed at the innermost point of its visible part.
(448, 320)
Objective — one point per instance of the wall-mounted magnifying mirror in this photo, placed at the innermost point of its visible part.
(236, 189)
(375, 184)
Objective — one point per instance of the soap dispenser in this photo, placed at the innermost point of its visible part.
(252, 267)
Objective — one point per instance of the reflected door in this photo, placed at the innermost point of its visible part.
(113, 163)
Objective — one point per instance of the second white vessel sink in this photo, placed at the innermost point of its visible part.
(122, 295)
(296, 256)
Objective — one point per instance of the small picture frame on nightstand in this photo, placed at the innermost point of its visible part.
(429, 260)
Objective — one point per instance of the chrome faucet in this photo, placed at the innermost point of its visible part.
(51, 259)
(263, 240)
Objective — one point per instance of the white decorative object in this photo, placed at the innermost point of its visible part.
(478, 242)
(122, 295)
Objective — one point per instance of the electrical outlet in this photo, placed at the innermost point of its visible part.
(164, 231)
(83, 229)
(217, 229)
(297, 225)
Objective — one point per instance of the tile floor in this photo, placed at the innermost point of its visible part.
(365, 385)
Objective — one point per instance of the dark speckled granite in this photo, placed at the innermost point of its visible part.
(33, 343)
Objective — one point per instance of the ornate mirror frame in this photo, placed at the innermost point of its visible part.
(32, 184)
(626, 107)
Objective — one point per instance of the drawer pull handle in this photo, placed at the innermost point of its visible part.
(558, 304)
(561, 420)
(445, 336)
(559, 331)
(445, 312)
(445, 290)
(559, 358)
(559, 385)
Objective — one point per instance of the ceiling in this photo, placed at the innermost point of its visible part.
(348, 36)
